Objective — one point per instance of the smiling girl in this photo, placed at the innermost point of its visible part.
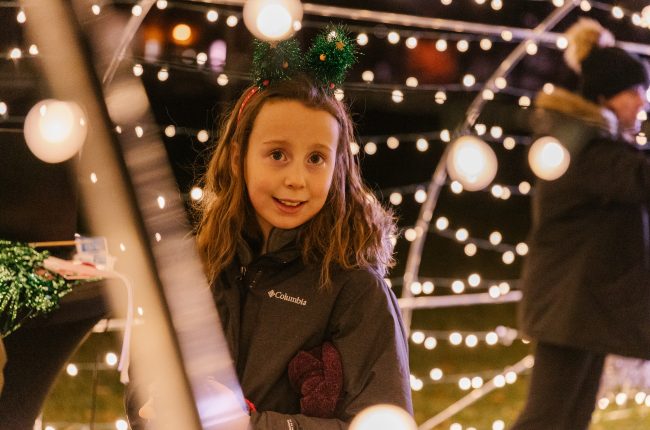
(297, 249)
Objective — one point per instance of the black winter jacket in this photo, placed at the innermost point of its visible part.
(271, 308)
(586, 279)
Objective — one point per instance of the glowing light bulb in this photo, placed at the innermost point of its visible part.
(411, 42)
(442, 223)
(368, 76)
(469, 80)
(111, 359)
(395, 198)
(370, 148)
(383, 417)
(72, 369)
(397, 96)
(441, 45)
(362, 39)
(392, 142)
(393, 37)
(548, 158)
(55, 130)
(272, 20)
(212, 15)
(472, 163)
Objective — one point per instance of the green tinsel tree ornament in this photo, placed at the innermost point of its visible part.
(331, 55)
(275, 62)
(27, 290)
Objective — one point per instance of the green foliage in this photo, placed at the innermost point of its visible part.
(26, 289)
(331, 55)
(273, 62)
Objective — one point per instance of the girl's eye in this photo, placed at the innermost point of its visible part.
(316, 159)
(277, 155)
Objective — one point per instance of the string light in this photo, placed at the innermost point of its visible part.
(136, 10)
(96, 9)
(163, 74)
(506, 35)
(617, 12)
(524, 101)
(500, 82)
(410, 235)
(139, 131)
(440, 97)
(21, 17)
(496, 4)
(4, 109)
(456, 187)
(33, 49)
(462, 234)
(422, 145)
(161, 202)
(15, 54)
(392, 142)
(508, 257)
(138, 70)
(462, 45)
(370, 148)
(121, 425)
(232, 21)
(562, 42)
(487, 94)
(201, 58)
(170, 131)
(354, 148)
(212, 15)
(441, 45)
(93, 177)
(362, 39)
(585, 6)
(158, 238)
(485, 44)
(202, 136)
(411, 82)
(397, 96)
(339, 94)
(411, 42)
(420, 195)
(111, 359)
(367, 76)
(395, 198)
(558, 3)
(161, 4)
(531, 48)
(393, 37)
(470, 249)
(469, 80)
(445, 135)
(72, 370)
(548, 158)
(442, 223)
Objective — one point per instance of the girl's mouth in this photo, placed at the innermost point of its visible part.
(289, 203)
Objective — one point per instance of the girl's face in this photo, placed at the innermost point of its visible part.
(289, 164)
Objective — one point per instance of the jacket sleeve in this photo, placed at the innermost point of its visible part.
(615, 172)
(366, 328)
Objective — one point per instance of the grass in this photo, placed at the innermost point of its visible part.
(71, 400)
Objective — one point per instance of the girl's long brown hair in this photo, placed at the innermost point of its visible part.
(352, 230)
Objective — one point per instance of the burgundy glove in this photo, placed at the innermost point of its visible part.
(318, 376)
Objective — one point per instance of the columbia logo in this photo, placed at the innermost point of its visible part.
(287, 298)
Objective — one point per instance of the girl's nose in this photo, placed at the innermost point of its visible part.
(295, 176)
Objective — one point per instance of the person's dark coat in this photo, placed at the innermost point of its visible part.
(586, 280)
(274, 308)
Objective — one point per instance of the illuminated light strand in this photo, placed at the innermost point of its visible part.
(407, 26)
(456, 300)
(523, 365)
(485, 375)
(500, 335)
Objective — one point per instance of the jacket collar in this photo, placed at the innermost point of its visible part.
(572, 105)
(282, 246)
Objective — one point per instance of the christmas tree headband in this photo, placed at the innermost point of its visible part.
(332, 53)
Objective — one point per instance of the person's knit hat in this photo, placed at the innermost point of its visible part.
(604, 70)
